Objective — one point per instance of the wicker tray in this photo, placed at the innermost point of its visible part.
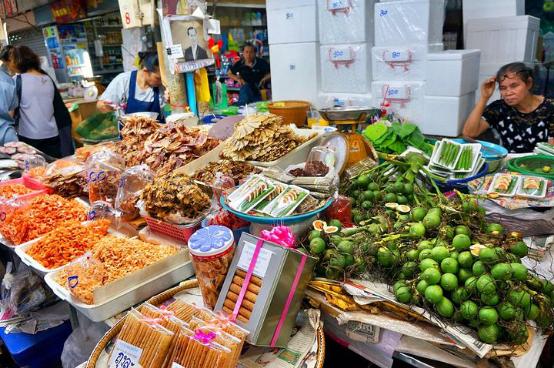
(160, 299)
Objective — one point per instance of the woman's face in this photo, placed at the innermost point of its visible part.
(10, 64)
(513, 89)
(153, 79)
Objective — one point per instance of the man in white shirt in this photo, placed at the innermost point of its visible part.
(194, 52)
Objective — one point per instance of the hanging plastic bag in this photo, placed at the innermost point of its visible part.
(132, 183)
(104, 169)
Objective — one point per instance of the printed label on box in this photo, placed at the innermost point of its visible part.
(362, 332)
(396, 55)
(125, 355)
(262, 264)
(338, 4)
(397, 93)
(341, 54)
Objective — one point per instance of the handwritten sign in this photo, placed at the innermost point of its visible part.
(398, 55)
(397, 92)
(338, 4)
(341, 54)
(125, 355)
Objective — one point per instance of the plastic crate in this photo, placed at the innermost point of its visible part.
(177, 232)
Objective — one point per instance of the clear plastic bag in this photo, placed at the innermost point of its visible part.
(22, 291)
(104, 171)
(132, 183)
(80, 344)
(35, 167)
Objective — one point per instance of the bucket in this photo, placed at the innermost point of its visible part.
(292, 112)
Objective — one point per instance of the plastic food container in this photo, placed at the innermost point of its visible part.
(212, 250)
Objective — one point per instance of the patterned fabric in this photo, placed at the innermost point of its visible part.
(520, 132)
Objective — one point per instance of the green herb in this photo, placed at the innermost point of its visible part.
(396, 137)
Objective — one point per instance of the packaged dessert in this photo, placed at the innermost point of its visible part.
(199, 350)
(212, 250)
(132, 183)
(103, 174)
(286, 202)
(251, 193)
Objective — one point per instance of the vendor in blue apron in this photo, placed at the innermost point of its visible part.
(136, 91)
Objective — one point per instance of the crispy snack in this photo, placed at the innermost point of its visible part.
(134, 133)
(37, 172)
(261, 138)
(199, 349)
(175, 196)
(65, 243)
(41, 215)
(67, 178)
(10, 191)
(237, 170)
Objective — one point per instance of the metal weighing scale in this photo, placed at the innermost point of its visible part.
(347, 120)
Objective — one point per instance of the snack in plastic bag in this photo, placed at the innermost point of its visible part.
(341, 210)
(82, 277)
(35, 167)
(132, 183)
(104, 169)
(66, 177)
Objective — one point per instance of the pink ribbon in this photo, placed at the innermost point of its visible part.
(247, 278)
(281, 235)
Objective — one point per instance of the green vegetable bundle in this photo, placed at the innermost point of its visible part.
(98, 127)
(396, 137)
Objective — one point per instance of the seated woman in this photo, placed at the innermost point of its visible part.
(521, 118)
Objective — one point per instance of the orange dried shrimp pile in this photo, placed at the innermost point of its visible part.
(112, 258)
(41, 215)
(66, 243)
(10, 191)
(37, 172)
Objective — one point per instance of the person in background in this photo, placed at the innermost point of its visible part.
(522, 118)
(137, 90)
(41, 118)
(194, 52)
(8, 99)
(251, 73)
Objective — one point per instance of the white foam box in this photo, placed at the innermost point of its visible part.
(280, 4)
(452, 72)
(295, 71)
(400, 62)
(404, 98)
(345, 68)
(325, 100)
(445, 116)
(504, 39)
(292, 24)
(345, 21)
(485, 72)
(409, 22)
(474, 9)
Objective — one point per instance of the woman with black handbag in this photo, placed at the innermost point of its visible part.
(42, 119)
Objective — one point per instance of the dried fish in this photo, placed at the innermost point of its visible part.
(237, 170)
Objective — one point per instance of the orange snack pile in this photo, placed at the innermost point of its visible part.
(10, 191)
(37, 172)
(41, 215)
(68, 242)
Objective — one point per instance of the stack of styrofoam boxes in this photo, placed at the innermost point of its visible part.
(451, 81)
(405, 31)
(293, 49)
(502, 32)
(346, 37)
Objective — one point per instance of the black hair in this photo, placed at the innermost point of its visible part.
(248, 44)
(520, 69)
(25, 59)
(5, 52)
(189, 28)
(149, 60)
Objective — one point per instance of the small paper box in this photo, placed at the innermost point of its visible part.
(268, 282)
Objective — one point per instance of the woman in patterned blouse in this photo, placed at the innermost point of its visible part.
(520, 117)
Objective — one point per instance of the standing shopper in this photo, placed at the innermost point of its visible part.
(8, 99)
(42, 119)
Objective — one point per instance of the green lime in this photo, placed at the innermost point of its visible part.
(336, 223)
(488, 316)
(403, 294)
(465, 259)
(346, 246)
(428, 263)
(506, 311)
(348, 260)
(417, 230)
(366, 205)
(433, 294)
(431, 221)
(459, 295)
(547, 287)
(533, 312)
(519, 249)
(314, 234)
(338, 261)
(408, 188)
(462, 229)
(363, 181)
(464, 274)
(471, 284)
(449, 281)
(501, 271)
(373, 186)
(490, 299)
(317, 246)
(494, 228)
(378, 195)
(390, 198)
(431, 275)
(374, 229)
(445, 308)
(488, 255)
(418, 213)
(461, 242)
(409, 268)
(424, 244)
(439, 253)
(489, 334)
(385, 257)
(447, 232)
(412, 254)
(369, 196)
(425, 253)
(421, 286)
(519, 271)
(449, 265)
(469, 310)
(435, 211)
(478, 268)
(400, 199)
(485, 284)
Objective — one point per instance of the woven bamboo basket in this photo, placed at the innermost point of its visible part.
(160, 299)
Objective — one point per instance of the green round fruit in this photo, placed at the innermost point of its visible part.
(336, 223)
(314, 234)
(488, 316)
(424, 254)
(369, 196)
(428, 263)
(398, 284)
(533, 312)
(418, 213)
(485, 284)
(431, 221)
(317, 246)
(412, 255)
(454, 254)
(465, 259)
(488, 255)
(479, 268)
(462, 229)
(374, 229)
(373, 186)
(333, 273)
(358, 219)
(431, 275)
(449, 265)
(433, 294)
(338, 261)
(469, 310)
(461, 242)
(398, 187)
(403, 294)
(390, 198)
(417, 230)
(520, 298)
(421, 286)
(519, 271)
(460, 295)
(506, 311)
(378, 195)
(366, 205)
(519, 249)
(464, 274)
(439, 253)
(400, 199)
(490, 299)
(346, 246)
(385, 257)
(424, 244)
(501, 271)
(409, 268)
(348, 259)
(445, 308)
(489, 334)
(447, 232)
(408, 188)
(449, 281)
(494, 228)
(363, 181)
(435, 211)
(471, 284)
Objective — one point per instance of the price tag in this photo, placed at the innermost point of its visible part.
(340, 54)
(176, 51)
(96, 176)
(397, 92)
(125, 355)
(262, 263)
(338, 4)
(214, 27)
(397, 55)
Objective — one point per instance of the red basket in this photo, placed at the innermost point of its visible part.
(178, 232)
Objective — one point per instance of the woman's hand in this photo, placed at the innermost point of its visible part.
(487, 88)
